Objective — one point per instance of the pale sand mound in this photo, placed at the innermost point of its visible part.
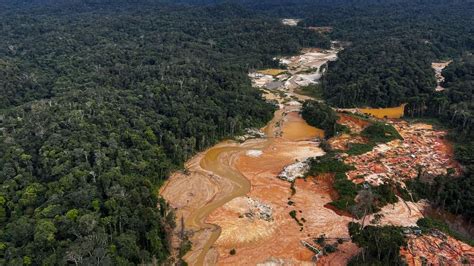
(301, 150)
(400, 214)
(242, 222)
(254, 153)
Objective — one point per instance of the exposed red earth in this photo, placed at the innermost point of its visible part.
(236, 210)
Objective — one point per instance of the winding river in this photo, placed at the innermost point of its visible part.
(217, 163)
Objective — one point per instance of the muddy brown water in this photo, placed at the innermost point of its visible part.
(298, 129)
(391, 112)
(241, 186)
(219, 162)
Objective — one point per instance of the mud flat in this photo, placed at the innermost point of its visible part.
(235, 210)
(213, 198)
(229, 197)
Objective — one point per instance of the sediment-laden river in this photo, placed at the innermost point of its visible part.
(213, 179)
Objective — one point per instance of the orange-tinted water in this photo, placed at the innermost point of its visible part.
(392, 112)
(295, 128)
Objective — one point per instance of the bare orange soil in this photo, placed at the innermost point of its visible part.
(422, 146)
(342, 141)
(356, 125)
(438, 249)
(279, 238)
(239, 223)
(230, 198)
(341, 257)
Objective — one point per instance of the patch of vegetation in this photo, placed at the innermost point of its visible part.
(293, 215)
(328, 248)
(313, 90)
(321, 116)
(327, 164)
(184, 248)
(385, 194)
(342, 129)
(453, 194)
(375, 133)
(293, 189)
(372, 198)
(321, 240)
(380, 245)
(427, 224)
(405, 194)
(347, 191)
(377, 218)
(380, 133)
(360, 148)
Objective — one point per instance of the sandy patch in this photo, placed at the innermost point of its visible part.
(254, 153)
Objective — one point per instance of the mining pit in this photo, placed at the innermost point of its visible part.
(242, 202)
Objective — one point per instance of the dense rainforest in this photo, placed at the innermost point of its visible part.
(389, 48)
(100, 102)
(101, 99)
(455, 107)
(321, 116)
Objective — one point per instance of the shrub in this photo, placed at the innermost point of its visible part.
(380, 132)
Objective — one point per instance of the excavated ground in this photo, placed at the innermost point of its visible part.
(279, 238)
(422, 147)
(230, 196)
(437, 249)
